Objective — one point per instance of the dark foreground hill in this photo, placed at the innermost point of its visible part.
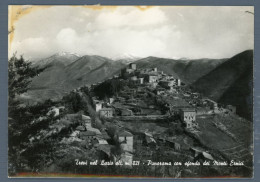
(231, 83)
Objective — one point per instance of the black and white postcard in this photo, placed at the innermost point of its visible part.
(130, 91)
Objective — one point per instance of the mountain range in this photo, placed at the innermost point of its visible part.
(217, 79)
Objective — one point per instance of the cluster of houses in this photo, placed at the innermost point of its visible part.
(143, 78)
(98, 139)
(91, 135)
(188, 115)
(102, 110)
(205, 105)
(162, 85)
(151, 77)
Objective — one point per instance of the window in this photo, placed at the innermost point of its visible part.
(124, 140)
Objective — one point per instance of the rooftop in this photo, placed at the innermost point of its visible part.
(88, 133)
(106, 109)
(95, 130)
(80, 128)
(124, 133)
(70, 116)
(101, 141)
(188, 109)
(153, 74)
(85, 117)
(105, 148)
(209, 100)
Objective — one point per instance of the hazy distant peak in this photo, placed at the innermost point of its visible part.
(125, 56)
(66, 54)
(61, 58)
(184, 58)
(94, 58)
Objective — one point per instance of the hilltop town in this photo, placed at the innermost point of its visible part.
(140, 118)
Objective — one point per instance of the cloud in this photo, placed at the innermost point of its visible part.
(67, 38)
(131, 17)
(30, 47)
(170, 31)
(116, 41)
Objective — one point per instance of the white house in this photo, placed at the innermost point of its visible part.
(98, 105)
(132, 66)
(125, 139)
(141, 80)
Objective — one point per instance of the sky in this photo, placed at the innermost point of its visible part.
(162, 31)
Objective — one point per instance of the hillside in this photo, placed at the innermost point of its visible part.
(85, 65)
(54, 73)
(231, 83)
(64, 74)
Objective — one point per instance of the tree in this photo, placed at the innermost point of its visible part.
(74, 102)
(109, 88)
(20, 73)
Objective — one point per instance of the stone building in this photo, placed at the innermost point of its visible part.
(86, 135)
(188, 116)
(106, 112)
(99, 141)
(178, 82)
(85, 120)
(154, 69)
(132, 66)
(125, 139)
(134, 78)
(126, 112)
(166, 83)
(211, 103)
(151, 78)
(98, 105)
